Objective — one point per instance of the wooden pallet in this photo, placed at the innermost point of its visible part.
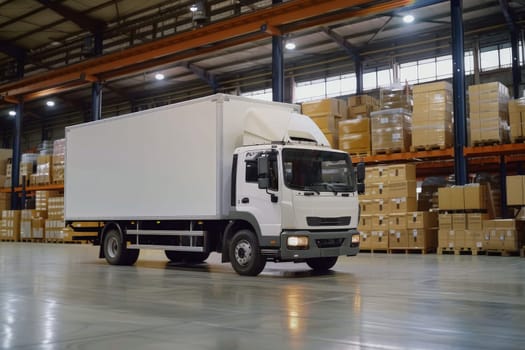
(388, 151)
(519, 139)
(32, 240)
(490, 142)
(57, 182)
(502, 252)
(359, 154)
(445, 251)
(8, 240)
(469, 251)
(522, 252)
(383, 251)
(411, 250)
(427, 147)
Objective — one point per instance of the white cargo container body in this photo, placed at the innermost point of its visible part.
(167, 178)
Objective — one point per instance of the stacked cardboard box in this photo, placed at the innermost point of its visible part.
(55, 218)
(463, 211)
(10, 225)
(326, 114)
(360, 106)
(41, 213)
(26, 217)
(517, 119)
(43, 175)
(432, 116)
(503, 235)
(354, 135)
(516, 190)
(57, 170)
(395, 97)
(422, 230)
(390, 193)
(488, 113)
(5, 201)
(391, 130)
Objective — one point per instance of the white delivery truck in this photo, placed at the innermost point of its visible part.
(255, 181)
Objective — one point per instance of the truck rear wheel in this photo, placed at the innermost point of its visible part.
(187, 257)
(115, 250)
(321, 264)
(245, 254)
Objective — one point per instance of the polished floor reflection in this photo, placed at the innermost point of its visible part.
(63, 297)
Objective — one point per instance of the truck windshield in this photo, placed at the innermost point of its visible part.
(318, 171)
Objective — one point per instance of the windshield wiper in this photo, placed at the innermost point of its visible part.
(306, 188)
(329, 187)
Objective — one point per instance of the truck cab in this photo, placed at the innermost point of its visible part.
(301, 199)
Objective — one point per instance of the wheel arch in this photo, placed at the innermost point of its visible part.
(233, 227)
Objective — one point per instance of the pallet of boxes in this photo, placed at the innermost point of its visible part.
(464, 213)
(517, 120)
(389, 219)
(515, 200)
(354, 132)
(391, 126)
(432, 117)
(327, 114)
(488, 115)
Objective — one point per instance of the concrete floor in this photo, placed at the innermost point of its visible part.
(63, 297)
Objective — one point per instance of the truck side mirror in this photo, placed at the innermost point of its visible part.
(360, 172)
(360, 188)
(263, 170)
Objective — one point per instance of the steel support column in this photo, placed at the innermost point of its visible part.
(277, 65)
(516, 70)
(17, 137)
(96, 87)
(358, 74)
(458, 64)
(503, 185)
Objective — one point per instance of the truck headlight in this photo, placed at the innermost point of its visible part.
(297, 242)
(355, 238)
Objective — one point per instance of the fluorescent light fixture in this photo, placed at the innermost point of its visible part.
(408, 19)
(12, 113)
(290, 45)
(50, 103)
(193, 8)
(159, 76)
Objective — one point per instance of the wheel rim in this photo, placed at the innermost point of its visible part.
(112, 245)
(243, 252)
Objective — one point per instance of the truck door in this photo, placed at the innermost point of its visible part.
(264, 204)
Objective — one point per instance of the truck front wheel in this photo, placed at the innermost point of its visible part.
(321, 264)
(116, 252)
(245, 254)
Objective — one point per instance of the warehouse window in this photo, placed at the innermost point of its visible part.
(265, 94)
(498, 56)
(322, 88)
(432, 69)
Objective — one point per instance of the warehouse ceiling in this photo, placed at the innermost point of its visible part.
(53, 34)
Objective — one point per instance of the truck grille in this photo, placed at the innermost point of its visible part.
(317, 221)
(329, 242)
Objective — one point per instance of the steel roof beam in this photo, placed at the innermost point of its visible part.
(203, 74)
(12, 50)
(83, 21)
(294, 11)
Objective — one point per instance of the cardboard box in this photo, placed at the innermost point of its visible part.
(322, 107)
(379, 223)
(422, 238)
(397, 221)
(444, 198)
(398, 239)
(366, 240)
(443, 238)
(327, 123)
(38, 228)
(401, 172)
(357, 143)
(422, 220)
(10, 225)
(516, 190)
(376, 174)
(475, 221)
(350, 126)
(365, 223)
(379, 239)
(358, 100)
(459, 238)
(400, 189)
(379, 206)
(375, 190)
(428, 87)
(475, 196)
(366, 205)
(493, 239)
(445, 221)
(474, 239)
(459, 221)
(403, 204)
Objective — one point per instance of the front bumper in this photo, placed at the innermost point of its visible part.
(321, 244)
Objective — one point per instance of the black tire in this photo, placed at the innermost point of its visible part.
(245, 254)
(115, 250)
(186, 257)
(321, 264)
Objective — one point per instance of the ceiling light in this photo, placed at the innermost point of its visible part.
(194, 8)
(50, 103)
(408, 19)
(159, 76)
(12, 113)
(290, 46)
